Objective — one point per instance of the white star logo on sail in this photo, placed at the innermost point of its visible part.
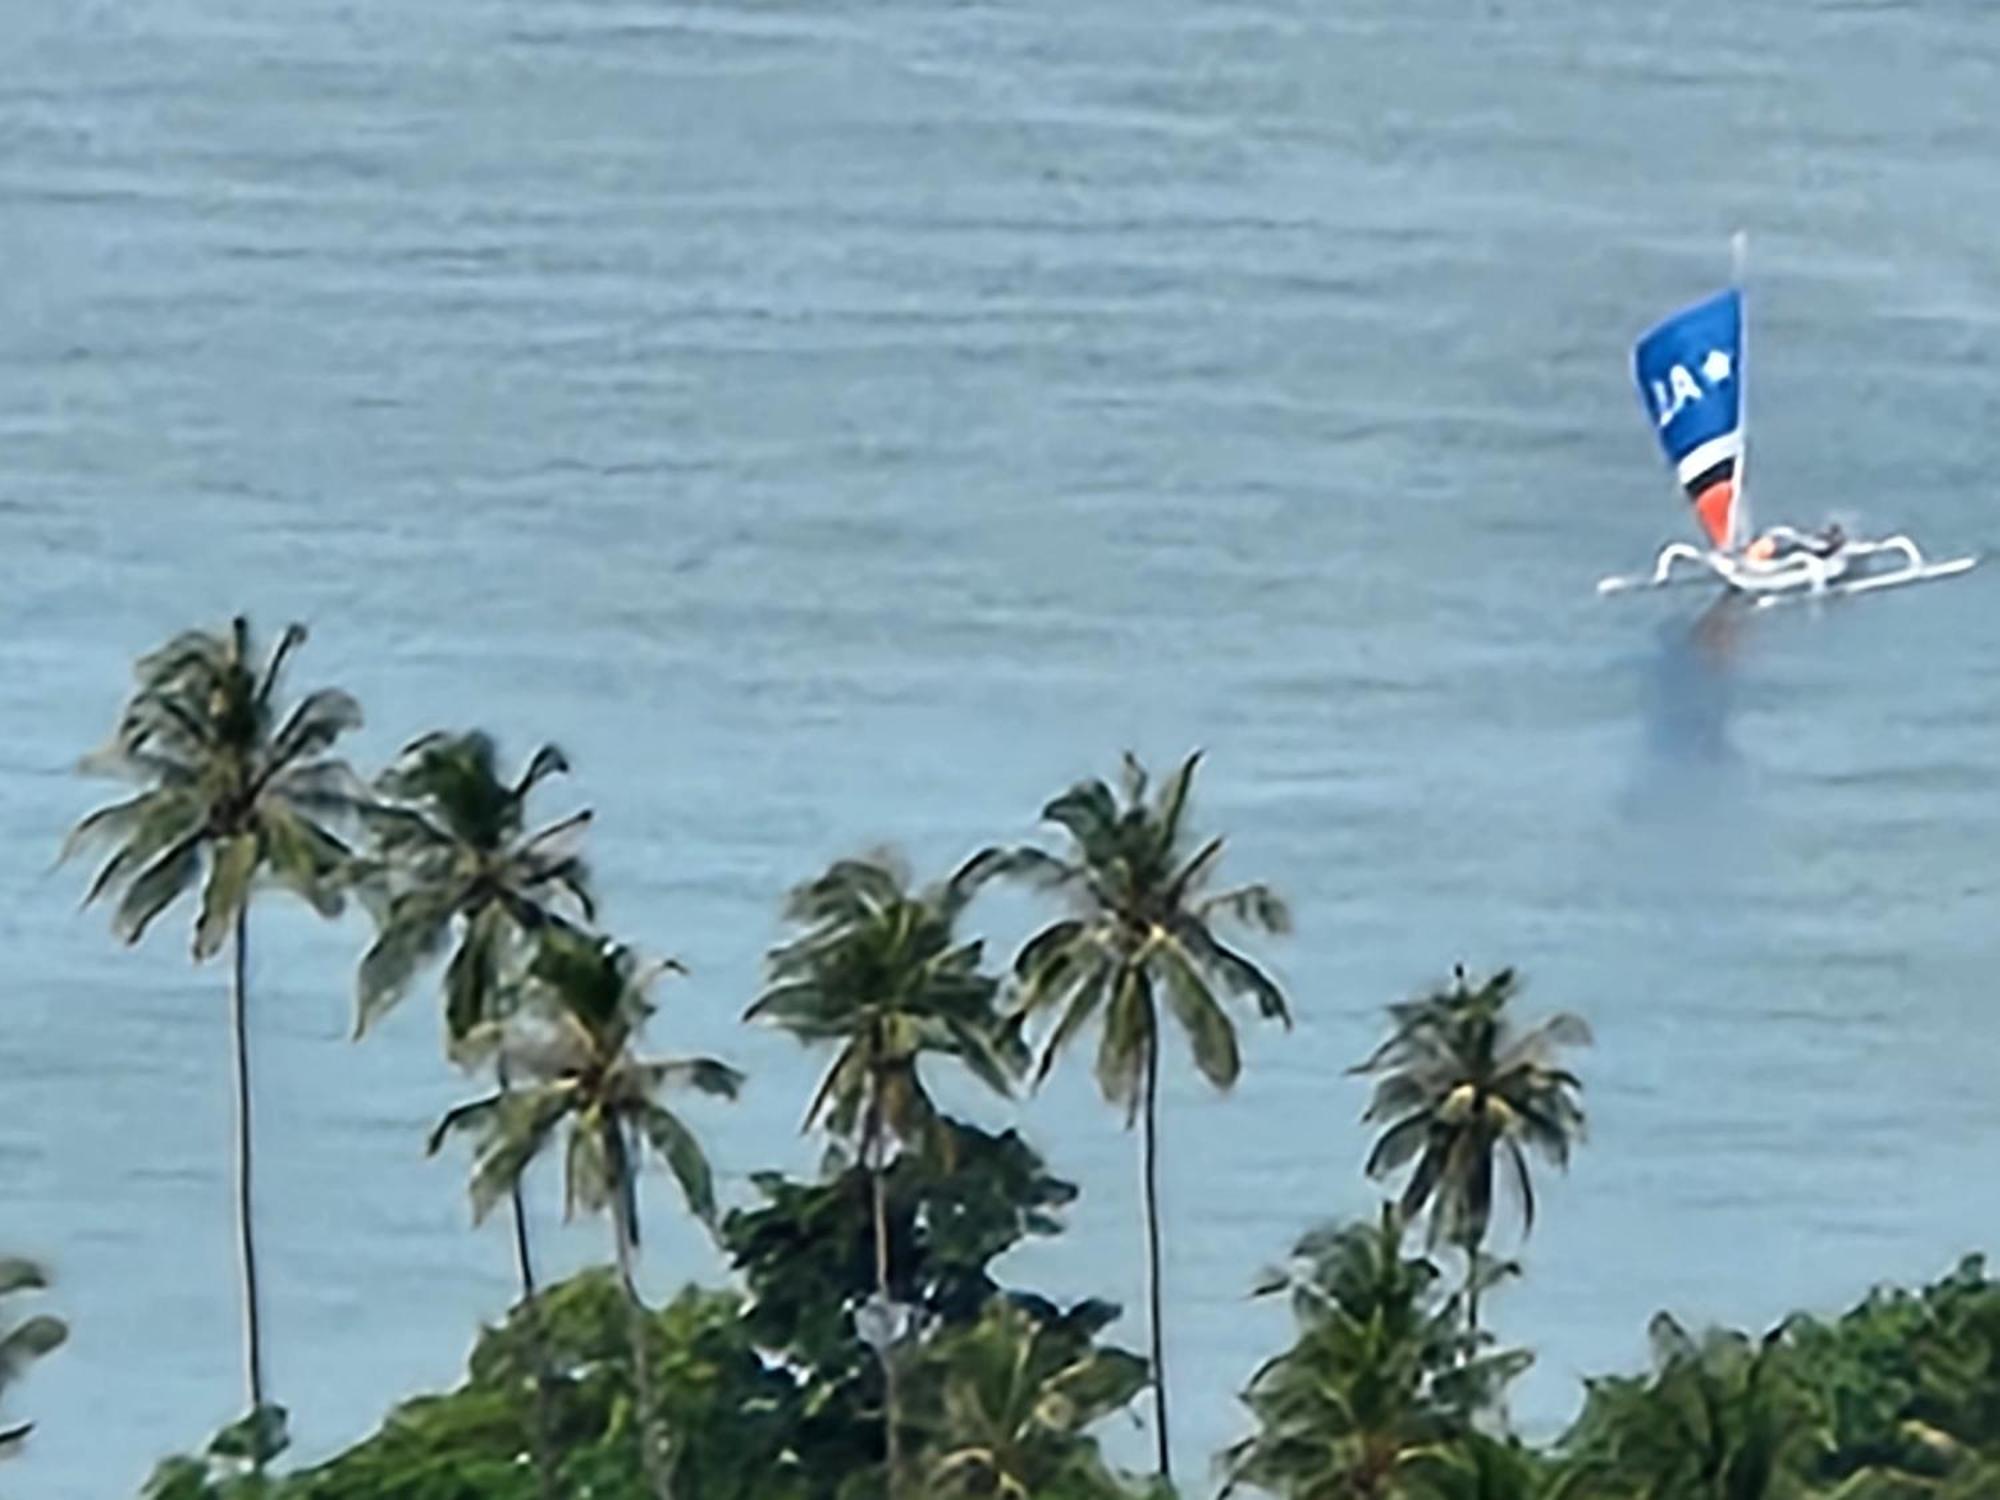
(1716, 368)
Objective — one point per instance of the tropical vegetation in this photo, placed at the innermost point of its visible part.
(452, 863)
(871, 1342)
(23, 1340)
(880, 971)
(571, 1036)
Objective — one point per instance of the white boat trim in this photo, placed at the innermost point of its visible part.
(1848, 570)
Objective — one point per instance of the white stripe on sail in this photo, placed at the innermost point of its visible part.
(1709, 454)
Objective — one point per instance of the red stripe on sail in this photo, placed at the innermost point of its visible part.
(1714, 505)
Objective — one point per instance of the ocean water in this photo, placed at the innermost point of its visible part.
(851, 422)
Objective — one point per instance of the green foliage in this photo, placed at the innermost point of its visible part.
(24, 1342)
(1462, 1091)
(1722, 1417)
(1382, 1384)
(1384, 1394)
(568, 1036)
(1898, 1399)
(1910, 1383)
(1144, 926)
(805, 1253)
(806, 1256)
(1005, 1402)
(449, 851)
(1476, 1466)
(881, 972)
(743, 1425)
(232, 789)
(730, 1414)
(770, 1396)
(232, 1468)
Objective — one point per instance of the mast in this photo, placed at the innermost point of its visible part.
(1740, 529)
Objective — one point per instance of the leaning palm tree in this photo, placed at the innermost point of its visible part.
(233, 790)
(1462, 1091)
(452, 864)
(25, 1342)
(880, 971)
(1142, 928)
(569, 1037)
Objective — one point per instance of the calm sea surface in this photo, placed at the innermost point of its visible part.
(839, 422)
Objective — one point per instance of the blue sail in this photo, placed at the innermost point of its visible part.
(1689, 371)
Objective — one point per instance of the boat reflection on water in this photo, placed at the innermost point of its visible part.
(1688, 794)
(1693, 689)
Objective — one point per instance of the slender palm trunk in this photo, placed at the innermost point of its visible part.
(1472, 1301)
(625, 1232)
(1149, 1166)
(531, 1314)
(1495, 1409)
(872, 1153)
(253, 1335)
(1470, 1250)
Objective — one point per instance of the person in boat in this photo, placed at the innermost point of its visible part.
(1781, 542)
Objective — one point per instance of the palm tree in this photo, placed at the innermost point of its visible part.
(1379, 1389)
(1460, 1090)
(1142, 927)
(1013, 1395)
(451, 855)
(232, 791)
(451, 858)
(880, 971)
(570, 1035)
(25, 1342)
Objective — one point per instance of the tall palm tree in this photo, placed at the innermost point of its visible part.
(1142, 927)
(1461, 1090)
(880, 971)
(451, 860)
(25, 1342)
(233, 790)
(569, 1037)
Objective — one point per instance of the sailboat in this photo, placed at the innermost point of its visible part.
(1690, 373)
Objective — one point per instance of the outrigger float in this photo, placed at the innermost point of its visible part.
(1690, 375)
